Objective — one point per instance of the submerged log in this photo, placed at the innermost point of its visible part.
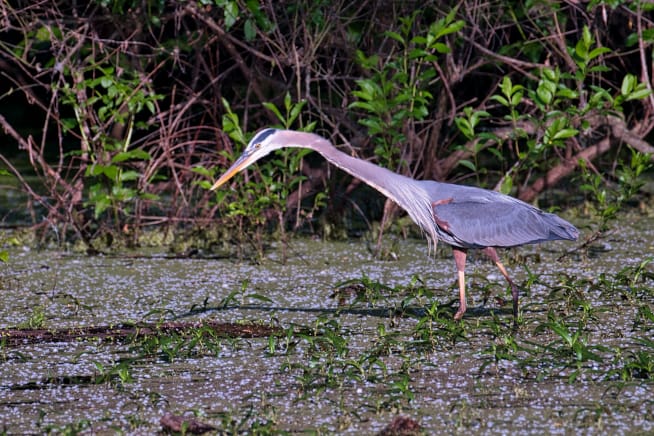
(18, 336)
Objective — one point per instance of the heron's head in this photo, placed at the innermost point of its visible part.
(262, 144)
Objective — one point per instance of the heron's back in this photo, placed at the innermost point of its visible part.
(471, 217)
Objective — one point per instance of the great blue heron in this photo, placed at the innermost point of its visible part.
(464, 217)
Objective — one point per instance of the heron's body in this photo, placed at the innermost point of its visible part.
(464, 217)
(479, 218)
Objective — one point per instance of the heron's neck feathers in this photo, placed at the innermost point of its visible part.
(404, 191)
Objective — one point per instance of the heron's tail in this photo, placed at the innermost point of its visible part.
(560, 228)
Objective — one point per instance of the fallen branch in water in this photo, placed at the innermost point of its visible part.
(17, 336)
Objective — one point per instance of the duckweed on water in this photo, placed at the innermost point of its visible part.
(581, 359)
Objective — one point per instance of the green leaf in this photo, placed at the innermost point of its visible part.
(150, 105)
(230, 14)
(102, 112)
(97, 169)
(598, 51)
(549, 74)
(562, 331)
(137, 153)
(150, 196)
(106, 82)
(4, 256)
(586, 36)
(250, 30)
(127, 176)
(516, 98)
(202, 171)
(69, 124)
(363, 105)
(310, 127)
(506, 86)
(479, 114)
(441, 48)
(503, 101)
(544, 94)
(374, 127)
(567, 93)
(295, 111)
(418, 53)
(101, 205)
(43, 34)
(122, 194)
(507, 185)
(419, 40)
(466, 163)
(272, 108)
(628, 84)
(639, 94)
(259, 297)
(464, 126)
(396, 36)
(565, 133)
(111, 171)
(581, 50)
(438, 30)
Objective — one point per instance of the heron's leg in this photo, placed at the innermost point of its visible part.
(492, 253)
(460, 260)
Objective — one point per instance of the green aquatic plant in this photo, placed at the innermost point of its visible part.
(504, 345)
(436, 330)
(608, 199)
(36, 319)
(400, 388)
(637, 281)
(639, 364)
(644, 318)
(79, 427)
(573, 292)
(570, 349)
(262, 420)
(363, 290)
(117, 374)
(325, 349)
(282, 344)
(175, 344)
(239, 297)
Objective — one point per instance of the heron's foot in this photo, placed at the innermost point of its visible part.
(459, 314)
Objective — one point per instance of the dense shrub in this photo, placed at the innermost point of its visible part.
(125, 110)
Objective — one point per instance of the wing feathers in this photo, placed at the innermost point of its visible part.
(478, 218)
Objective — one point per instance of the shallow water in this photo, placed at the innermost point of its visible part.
(454, 385)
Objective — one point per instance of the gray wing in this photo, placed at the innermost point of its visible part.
(474, 218)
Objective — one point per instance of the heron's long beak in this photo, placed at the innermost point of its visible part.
(240, 164)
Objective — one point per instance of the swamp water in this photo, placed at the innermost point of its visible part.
(342, 359)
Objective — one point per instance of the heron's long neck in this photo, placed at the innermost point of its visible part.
(404, 191)
(380, 178)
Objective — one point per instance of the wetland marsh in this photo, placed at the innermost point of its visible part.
(352, 342)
